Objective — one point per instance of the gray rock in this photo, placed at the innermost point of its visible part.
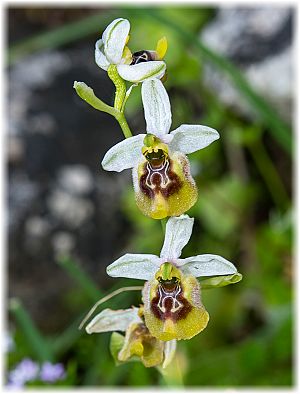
(71, 210)
(63, 243)
(259, 41)
(76, 179)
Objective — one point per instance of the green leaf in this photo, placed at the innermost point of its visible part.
(38, 344)
(86, 284)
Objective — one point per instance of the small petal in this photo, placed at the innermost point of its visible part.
(134, 266)
(206, 265)
(156, 107)
(100, 57)
(190, 138)
(170, 349)
(220, 281)
(161, 47)
(109, 320)
(125, 154)
(115, 38)
(178, 233)
(140, 72)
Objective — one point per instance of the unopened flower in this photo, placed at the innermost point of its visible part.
(138, 342)
(161, 172)
(111, 49)
(171, 295)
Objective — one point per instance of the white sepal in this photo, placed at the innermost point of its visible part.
(178, 232)
(114, 39)
(135, 266)
(140, 72)
(125, 154)
(109, 320)
(156, 107)
(169, 352)
(206, 265)
(100, 57)
(190, 138)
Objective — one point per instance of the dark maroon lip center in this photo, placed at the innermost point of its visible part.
(158, 177)
(169, 302)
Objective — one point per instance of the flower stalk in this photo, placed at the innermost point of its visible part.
(171, 308)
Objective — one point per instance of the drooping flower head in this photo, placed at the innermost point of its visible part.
(161, 172)
(137, 67)
(171, 295)
(138, 342)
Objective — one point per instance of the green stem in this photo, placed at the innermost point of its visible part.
(163, 223)
(123, 124)
(120, 85)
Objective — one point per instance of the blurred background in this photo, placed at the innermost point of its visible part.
(228, 68)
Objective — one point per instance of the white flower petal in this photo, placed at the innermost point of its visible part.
(142, 71)
(125, 154)
(169, 352)
(156, 107)
(100, 57)
(135, 266)
(206, 265)
(178, 233)
(114, 38)
(109, 320)
(190, 138)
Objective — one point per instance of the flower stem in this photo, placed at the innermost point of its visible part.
(119, 84)
(163, 223)
(120, 117)
(120, 99)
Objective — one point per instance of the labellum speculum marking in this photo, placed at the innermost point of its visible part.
(164, 185)
(144, 56)
(173, 308)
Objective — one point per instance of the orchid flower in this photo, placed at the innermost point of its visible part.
(138, 342)
(111, 49)
(171, 295)
(161, 172)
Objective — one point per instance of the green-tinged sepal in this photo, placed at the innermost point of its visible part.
(116, 343)
(220, 281)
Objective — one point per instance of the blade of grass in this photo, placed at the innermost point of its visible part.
(86, 284)
(60, 36)
(65, 341)
(36, 341)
